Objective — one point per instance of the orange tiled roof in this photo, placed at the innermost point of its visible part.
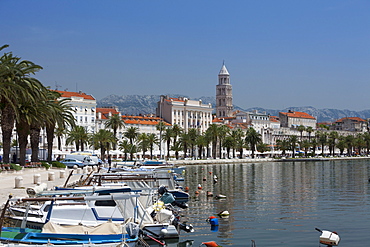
(107, 110)
(174, 99)
(274, 119)
(357, 119)
(297, 114)
(67, 94)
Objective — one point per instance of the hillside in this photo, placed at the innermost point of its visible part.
(146, 104)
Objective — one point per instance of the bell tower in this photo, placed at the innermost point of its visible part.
(224, 94)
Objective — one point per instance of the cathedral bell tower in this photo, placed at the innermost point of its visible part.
(224, 94)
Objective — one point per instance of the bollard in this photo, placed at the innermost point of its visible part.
(37, 179)
(89, 169)
(95, 168)
(79, 170)
(75, 166)
(51, 176)
(18, 182)
(84, 170)
(62, 173)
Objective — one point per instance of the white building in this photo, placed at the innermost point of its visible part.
(185, 113)
(84, 107)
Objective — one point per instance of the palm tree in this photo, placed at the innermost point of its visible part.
(124, 146)
(238, 136)
(252, 138)
(341, 145)
(152, 140)
(78, 136)
(131, 133)
(213, 134)
(143, 143)
(223, 131)
(301, 128)
(333, 136)
(167, 137)
(228, 144)
(102, 139)
(309, 130)
(366, 137)
(185, 142)
(201, 142)
(115, 122)
(177, 147)
(292, 144)
(282, 145)
(305, 145)
(176, 131)
(16, 86)
(193, 133)
(349, 140)
(60, 118)
(322, 138)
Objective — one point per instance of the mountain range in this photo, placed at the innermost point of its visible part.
(146, 104)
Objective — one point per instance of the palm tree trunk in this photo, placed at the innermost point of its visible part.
(34, 139)
(50, 137)
(23, 131)
(7, 125)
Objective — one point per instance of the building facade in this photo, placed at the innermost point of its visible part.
(293, 119)
(185, 113)
(355, 124)
(224, 94)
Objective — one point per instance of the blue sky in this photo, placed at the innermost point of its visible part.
(279, 53)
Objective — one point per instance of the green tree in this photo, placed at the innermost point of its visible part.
(143, 143)
(193, 134)
(213, 134)
(282, 145)
(292, 140)
(115, 122)
(252, 138)
(79, 137)
(349, 140)
(223, 132)
(167, 137)
(152, 140)
(332, 138)
(228, 144)
(309, 130)
(102, 139)
(16, 86)
(131, 133)
(301, 128)
(322, 138)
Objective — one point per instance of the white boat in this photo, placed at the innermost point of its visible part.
(94, 210)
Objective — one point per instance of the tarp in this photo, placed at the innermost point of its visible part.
(105, 228)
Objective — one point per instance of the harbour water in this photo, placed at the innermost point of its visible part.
(279, 203)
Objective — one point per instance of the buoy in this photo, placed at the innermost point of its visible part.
(196, 192)
(210, 244)
(164, 231)
(329, 238)
(210, 172)
(224, 213)
(220, 196)
(186, 189)
(204, 179)
(213, 221)
(209, 193)
(199, 186)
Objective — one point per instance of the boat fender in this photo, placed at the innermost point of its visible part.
(329, 238)
(210, 244)
(213, 220)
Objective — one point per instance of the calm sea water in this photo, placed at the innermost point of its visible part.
(280, 204)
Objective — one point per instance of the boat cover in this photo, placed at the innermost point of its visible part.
(102, 229)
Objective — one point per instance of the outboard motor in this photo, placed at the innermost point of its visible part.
(328, 238)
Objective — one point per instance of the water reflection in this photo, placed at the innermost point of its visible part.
(279, 204)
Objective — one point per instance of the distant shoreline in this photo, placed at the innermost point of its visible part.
(258, 160)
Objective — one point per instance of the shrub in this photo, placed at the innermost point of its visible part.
(45, 164)
(58, 164)
(15, 167)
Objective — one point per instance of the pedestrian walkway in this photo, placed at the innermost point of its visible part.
(27, 177)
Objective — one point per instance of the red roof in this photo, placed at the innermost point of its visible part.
(67, 94)
(357, 119)
(297, 114)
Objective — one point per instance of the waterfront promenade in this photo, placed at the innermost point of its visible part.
(26, 178)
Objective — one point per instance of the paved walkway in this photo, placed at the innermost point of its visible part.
(25, 179)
